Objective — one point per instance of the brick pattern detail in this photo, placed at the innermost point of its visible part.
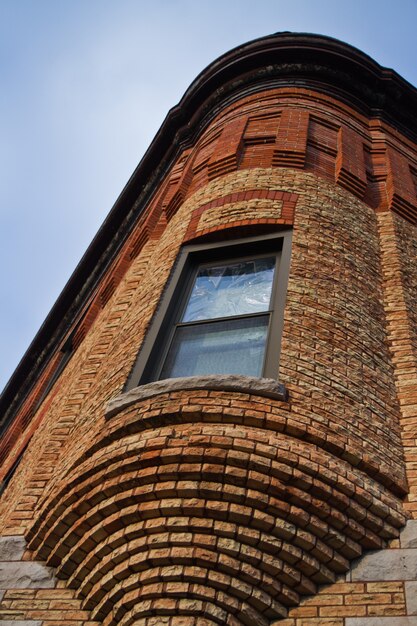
(174, 478)
(336, 275)
(321, 148)
(243, 208)
(336, 604)
(179, 187)
(350, 163)
(18, 431)
(259, 140)
(367, 596)
(262, 129)
(376, 173)
(52, 607)
(229, 148)
(291, 141)
(400, 187)
(29, 593)
(414, 179)
(204, 149)
(371, 595)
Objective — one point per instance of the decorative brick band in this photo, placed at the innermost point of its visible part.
(240, 208)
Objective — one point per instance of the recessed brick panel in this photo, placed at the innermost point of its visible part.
(400, 186)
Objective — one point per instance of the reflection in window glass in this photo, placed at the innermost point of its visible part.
(229, 290)
(233, 346)
(239, 291)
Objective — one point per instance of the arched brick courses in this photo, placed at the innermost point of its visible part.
(209, 502)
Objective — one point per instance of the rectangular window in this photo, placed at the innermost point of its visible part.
(221, 312)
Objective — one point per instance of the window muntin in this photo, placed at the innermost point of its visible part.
(172, 330)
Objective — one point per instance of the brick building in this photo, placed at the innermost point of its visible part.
(216, 422)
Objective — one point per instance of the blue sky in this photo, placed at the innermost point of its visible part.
(85, 84)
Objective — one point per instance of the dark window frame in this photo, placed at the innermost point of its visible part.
(150, 358)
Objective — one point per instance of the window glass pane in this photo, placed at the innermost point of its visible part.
(233, 289)
(226, 347)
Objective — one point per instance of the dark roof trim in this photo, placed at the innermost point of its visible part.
(297, 59)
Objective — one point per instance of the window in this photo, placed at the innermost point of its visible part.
(221, 312)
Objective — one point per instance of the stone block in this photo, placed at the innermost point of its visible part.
(411, 597)
(386, 565)
(21, 622)
(12, 548)
(408, 536)
(26, 575)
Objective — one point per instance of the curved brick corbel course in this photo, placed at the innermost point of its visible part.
(180, 503)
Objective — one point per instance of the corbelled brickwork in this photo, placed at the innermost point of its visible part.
(241, 501)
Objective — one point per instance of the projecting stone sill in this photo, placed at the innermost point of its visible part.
(266, 387)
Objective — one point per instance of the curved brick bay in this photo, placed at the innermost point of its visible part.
(234, 500)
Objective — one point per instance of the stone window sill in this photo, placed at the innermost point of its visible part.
(266, 387)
